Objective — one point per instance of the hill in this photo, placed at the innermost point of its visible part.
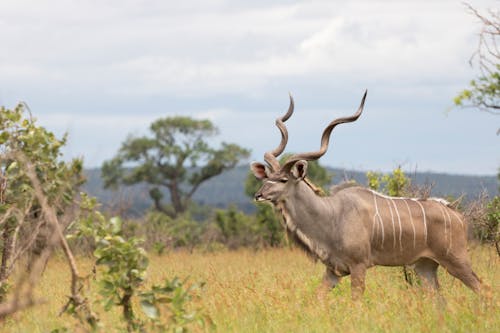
(228, 188)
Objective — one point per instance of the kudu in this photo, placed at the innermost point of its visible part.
(355, 228)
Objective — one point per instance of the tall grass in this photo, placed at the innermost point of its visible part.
(275, 291)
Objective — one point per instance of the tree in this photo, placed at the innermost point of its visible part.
(176, 157)
(38, 195)
(484, 92)
(23, 145)
(273, 231)
(39, 203)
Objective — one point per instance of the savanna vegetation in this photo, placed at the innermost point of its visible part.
(69, 265)
(43, 214)
(275, 291)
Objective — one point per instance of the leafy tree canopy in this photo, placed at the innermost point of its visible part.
(483, 93)
(176, 156)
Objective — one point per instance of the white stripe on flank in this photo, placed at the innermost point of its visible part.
(412, 224)
(400, 228)
(440, 200)
(447, 222)
(425, 219)
(458, 217)
(389, 197)
(377, 220)
(392, 219)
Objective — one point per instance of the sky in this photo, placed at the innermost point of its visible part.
(103, 70)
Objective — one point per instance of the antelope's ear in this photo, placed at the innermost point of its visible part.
(259, 170)
(299, 170)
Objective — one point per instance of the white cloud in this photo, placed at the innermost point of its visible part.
(160, 48)
(71, 60)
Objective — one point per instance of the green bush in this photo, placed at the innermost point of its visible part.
(237, 229)
(486, 225)
(396, 184)
(122, 280)
(167, 232)
(29, 149)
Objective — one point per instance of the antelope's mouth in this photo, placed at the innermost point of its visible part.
(261, 198)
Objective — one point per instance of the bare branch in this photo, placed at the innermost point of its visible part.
(23, 294)
(487, 50)
(51, 217)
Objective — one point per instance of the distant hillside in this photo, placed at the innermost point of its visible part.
(228, 188)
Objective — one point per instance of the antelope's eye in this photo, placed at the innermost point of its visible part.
(283, 180)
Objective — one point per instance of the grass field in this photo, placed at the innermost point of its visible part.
(275, 291)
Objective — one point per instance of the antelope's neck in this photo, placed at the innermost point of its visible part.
(301, 214)
(305, 206)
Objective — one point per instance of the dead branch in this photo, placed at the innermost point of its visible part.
(487, 53)
(51, 217)
(23, 294)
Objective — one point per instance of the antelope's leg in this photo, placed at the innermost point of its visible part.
(358, 273)
(330, 279)
(427, 271)
(462, 270)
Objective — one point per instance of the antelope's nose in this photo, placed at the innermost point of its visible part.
(258, 197)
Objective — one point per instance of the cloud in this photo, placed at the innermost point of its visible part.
(157, 47)
(129, 62)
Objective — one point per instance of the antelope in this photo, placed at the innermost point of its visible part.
(355, 228)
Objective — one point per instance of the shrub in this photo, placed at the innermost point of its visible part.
(162, 231)
(237, 229)
(484, 217)
(37, 197)
(125, 263)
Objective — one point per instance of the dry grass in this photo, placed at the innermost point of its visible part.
(275, 291)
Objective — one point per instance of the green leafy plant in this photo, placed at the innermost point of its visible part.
(374, 180)
(237, 228)
(171, 300)
(159, 248)
(34, 183)
(177, 232)
(395, 184)
(483, 93)
(22, 228)
(125, 264)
